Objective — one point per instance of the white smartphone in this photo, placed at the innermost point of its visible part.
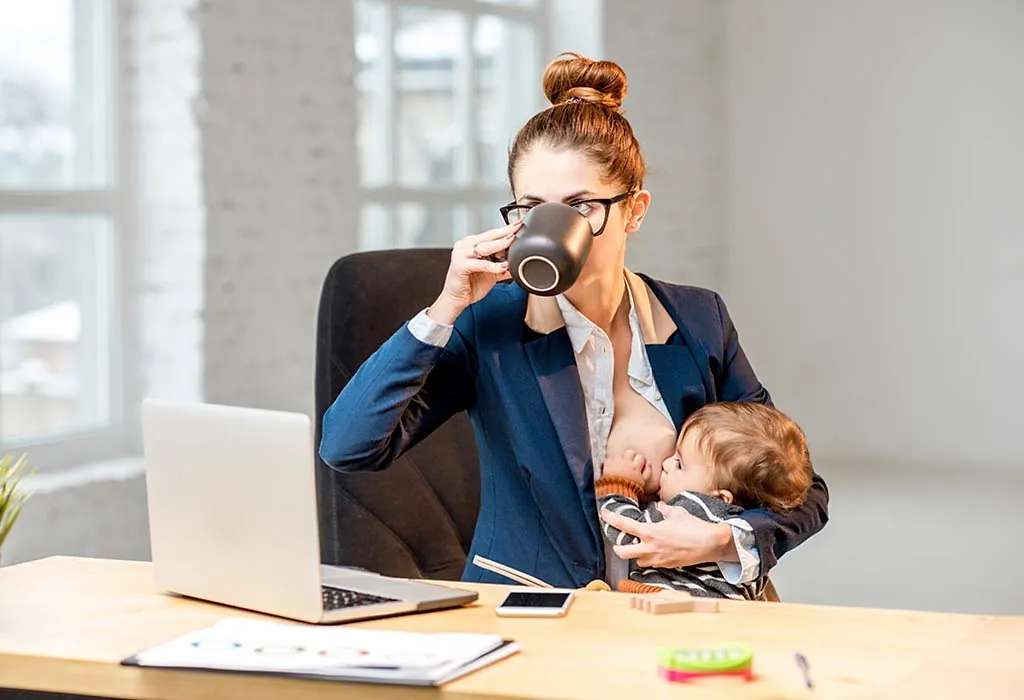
(542, 603)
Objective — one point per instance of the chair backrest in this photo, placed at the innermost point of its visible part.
(415, 519)
(769, 594)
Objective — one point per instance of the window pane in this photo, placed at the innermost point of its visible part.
(52, 89)
(507, 90)
(420, 225)
(413, 225)
(374, 227)
(372, 80)
(430, 52)
(54, 324)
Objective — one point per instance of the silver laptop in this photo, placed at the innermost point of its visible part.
(233, 519)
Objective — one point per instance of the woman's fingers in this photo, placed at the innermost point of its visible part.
(493, 235)
(490, 247)
(483, 265)
(471, 274)
(484, 244)
(627, 525)
(634, 551)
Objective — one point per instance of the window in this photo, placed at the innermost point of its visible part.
(443, 86)
(60, 233)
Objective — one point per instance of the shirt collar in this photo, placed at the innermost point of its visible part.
(580, 329)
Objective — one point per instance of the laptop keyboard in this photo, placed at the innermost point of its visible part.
(338, 598)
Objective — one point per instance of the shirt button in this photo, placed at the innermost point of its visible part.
(657, 396)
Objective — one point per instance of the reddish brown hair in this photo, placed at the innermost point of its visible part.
(757, 452)
(586, 98)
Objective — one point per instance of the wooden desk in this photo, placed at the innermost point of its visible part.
(66, 623)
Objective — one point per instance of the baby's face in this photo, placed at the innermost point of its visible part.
(689, 469)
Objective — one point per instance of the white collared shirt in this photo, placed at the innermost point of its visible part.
(597, 369)
(595, 361)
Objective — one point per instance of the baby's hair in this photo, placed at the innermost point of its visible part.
(757, 452)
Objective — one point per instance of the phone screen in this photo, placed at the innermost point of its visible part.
(523, 599)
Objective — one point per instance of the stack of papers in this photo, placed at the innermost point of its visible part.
(334, 653)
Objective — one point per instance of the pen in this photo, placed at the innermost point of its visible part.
(801, 661)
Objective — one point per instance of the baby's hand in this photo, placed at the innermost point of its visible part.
(628, 465)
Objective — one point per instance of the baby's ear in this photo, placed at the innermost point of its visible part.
(725, 495)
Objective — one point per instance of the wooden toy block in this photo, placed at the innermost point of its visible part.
(668, 602)
(663, 603)
(664, 607)
(705, 605)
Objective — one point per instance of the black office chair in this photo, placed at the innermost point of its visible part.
(416, 518)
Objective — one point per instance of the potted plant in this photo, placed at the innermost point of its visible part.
(13, 494)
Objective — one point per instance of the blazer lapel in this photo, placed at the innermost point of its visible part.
(554, 365)
(698, 363)
(674, 365)
(553, 362)
(678, 380)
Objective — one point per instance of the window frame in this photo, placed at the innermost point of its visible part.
(98, 62)
(471, 195)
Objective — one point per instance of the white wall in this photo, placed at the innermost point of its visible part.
(280, 189)
(160, 55)
(853, 171)
(875, 219)
(670, 52)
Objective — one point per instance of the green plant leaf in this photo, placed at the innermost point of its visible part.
(13, 494)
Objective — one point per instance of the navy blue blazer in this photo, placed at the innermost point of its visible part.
(521, 389)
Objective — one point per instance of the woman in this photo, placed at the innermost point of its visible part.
(553, 385)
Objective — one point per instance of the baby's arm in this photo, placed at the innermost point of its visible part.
(619, 490)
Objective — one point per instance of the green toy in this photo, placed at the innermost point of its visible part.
(735, 659)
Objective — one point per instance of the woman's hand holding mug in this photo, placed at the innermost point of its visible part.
(472, 274)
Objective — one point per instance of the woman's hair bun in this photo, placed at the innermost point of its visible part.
(573, 76)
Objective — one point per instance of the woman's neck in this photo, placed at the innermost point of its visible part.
(600, 299)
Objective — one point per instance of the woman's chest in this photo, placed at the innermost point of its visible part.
(641, 420)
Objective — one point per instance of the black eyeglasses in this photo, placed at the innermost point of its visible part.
(593, 210)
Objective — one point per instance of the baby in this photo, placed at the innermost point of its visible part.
(729, 457)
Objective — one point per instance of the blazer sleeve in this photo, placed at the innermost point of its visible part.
(400, 394)
(774, 534)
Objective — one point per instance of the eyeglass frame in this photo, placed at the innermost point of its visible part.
(606, 202)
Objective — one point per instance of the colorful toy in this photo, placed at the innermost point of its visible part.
(671, 602)
(680, 665)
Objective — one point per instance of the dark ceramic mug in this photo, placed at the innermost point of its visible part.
(550, 249)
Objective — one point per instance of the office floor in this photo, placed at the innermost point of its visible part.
(906, 536)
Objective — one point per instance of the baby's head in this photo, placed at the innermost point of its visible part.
(744, 453)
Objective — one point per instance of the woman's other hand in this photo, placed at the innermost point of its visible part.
(679, 540)
(471, 275)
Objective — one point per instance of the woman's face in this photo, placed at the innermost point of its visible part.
(547, 175)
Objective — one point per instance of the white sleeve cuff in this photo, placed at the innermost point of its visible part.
(748, 568)
(427, 330)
